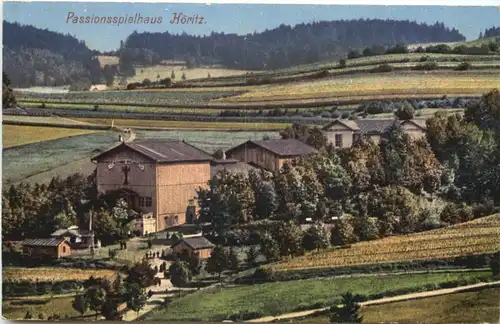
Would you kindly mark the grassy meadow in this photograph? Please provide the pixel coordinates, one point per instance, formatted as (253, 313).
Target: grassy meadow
(475, 237)
(468, 307)
(192, 125)
(16, 308)
(14, 135)
(283, 297)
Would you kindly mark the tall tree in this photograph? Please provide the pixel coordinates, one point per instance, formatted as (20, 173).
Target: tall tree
(136, 297)
(217, 262)
(8, 98)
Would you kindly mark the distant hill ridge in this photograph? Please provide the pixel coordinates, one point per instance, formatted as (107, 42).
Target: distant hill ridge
(285, 45)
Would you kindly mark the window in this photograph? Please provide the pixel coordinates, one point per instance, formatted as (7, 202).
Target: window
(338, 140)
(145, 201)
(64, 250)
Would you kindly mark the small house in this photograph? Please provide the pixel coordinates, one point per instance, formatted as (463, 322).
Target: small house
(271, 154)
(198, 246)
(53, 248)
(78, 238)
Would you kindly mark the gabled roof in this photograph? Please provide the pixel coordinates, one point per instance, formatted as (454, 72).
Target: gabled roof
(351, 124)
(282, 147)
(196, 243)
(44, 242)
(162, 151)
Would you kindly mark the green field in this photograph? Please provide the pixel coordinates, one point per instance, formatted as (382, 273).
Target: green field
(283, 297)
(185, 124)
(184, 97)
(14, 135)
(468, 307)
(16, 308)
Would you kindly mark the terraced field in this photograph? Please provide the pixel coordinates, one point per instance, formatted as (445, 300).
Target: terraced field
(475, 237)
(375, 85)
(13, 274)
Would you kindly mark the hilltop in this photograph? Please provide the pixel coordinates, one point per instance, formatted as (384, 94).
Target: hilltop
(285, 45)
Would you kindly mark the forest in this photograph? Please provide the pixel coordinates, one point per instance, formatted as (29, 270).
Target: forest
(39, 57)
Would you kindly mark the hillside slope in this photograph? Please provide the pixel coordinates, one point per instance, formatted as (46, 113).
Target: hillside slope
(474, 237)
(38, 57)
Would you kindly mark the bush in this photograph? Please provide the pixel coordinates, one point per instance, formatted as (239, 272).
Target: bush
(463, 66)
(426, 66)
(264, 274)
(382, 68)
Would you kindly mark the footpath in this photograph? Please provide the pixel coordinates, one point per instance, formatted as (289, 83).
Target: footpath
(384, 300)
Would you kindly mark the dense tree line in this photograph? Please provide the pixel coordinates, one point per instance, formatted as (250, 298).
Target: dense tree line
(490, 32)
(34, 210)
(285, 45)
(39, 57)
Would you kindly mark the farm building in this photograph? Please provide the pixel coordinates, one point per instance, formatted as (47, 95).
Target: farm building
(46, 248)
(343, 133)
(158, 177)
(199, 246)
(270, 154)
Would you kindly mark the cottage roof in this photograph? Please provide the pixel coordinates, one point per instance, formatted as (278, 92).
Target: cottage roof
(71, 232)
(162, 151)
(374, 126)
(196, 243)
(282, 147)
(43, 242)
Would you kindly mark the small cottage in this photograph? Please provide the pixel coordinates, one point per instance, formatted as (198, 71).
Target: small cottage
(198, 246)
(78, 238)
(53, 248)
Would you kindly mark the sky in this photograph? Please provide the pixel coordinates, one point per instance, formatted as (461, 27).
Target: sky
(228, 18)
